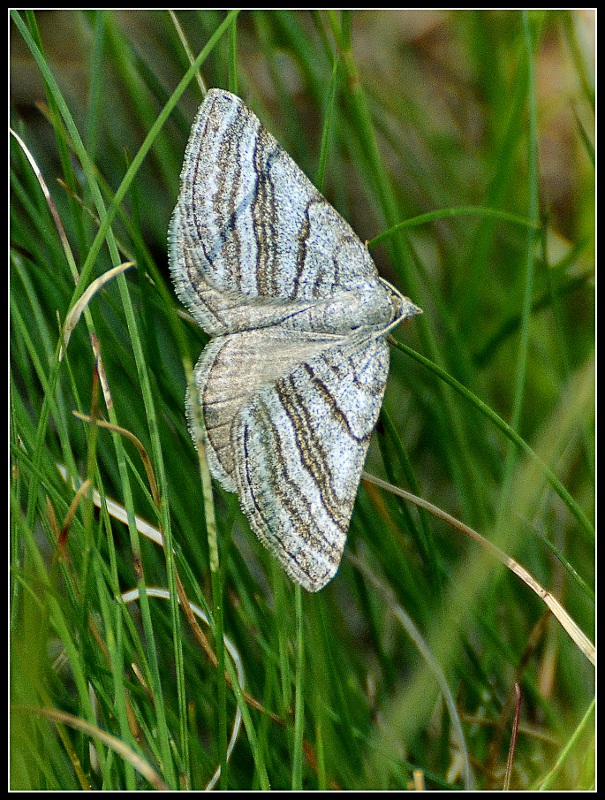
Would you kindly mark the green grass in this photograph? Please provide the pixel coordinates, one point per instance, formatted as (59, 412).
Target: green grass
(464, 155)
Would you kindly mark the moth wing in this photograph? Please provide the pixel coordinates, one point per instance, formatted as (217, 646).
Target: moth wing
(230, 371)
(250, 229)
(299, 447)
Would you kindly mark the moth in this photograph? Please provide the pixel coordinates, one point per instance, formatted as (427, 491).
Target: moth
(292, 380)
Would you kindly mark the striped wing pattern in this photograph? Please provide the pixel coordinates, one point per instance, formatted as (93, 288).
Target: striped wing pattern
(293, 378)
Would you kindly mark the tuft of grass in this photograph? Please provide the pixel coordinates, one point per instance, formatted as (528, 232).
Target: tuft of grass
(461, 146)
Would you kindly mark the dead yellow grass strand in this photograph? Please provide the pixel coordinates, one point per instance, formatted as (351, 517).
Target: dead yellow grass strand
(567, 623)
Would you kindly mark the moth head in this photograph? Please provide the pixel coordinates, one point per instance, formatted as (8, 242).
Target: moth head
(401, 307)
